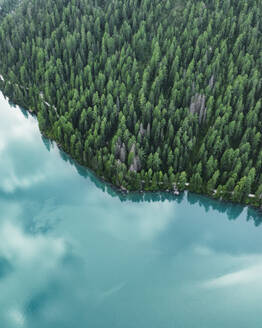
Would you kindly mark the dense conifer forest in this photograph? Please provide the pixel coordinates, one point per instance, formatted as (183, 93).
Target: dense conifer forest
(6, 6)
(150, 94)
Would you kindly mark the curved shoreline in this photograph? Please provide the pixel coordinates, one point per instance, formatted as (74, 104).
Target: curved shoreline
(125, 195)
(122, 190)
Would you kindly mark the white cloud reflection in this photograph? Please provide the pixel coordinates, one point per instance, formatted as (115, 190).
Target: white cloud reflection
(241, 277)
(12, 182)
(21, 248)
(142, 222)
(34, 260)
(239, 271)
(14, 125)
(15, 132)
(23, 160)
(16, 317)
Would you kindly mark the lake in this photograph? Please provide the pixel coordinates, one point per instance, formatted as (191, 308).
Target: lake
(75, 253)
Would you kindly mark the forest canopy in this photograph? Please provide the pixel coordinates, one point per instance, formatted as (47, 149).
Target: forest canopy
(150, 94)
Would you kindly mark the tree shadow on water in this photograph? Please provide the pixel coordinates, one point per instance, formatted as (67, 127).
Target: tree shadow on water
(233, 211)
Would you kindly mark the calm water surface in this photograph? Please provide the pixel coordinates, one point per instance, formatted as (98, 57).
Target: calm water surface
(73, 253)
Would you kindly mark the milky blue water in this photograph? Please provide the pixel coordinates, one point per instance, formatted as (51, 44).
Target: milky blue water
(74, 253)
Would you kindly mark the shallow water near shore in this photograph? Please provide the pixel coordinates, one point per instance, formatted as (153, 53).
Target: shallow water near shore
(75, 253)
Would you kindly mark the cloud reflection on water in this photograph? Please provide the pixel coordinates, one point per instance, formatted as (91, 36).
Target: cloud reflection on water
(15, 132)
(21, 248)
(247, 271)
(34, 260)
(137, 222)
(127, 253)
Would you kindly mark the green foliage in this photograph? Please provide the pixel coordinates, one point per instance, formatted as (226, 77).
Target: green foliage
(149, 94)
(6, 6)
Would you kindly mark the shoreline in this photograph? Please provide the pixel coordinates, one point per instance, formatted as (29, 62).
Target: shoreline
(141, 192)
(123, 190)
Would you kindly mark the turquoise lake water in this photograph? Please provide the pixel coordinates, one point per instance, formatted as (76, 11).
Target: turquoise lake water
(74, 253)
